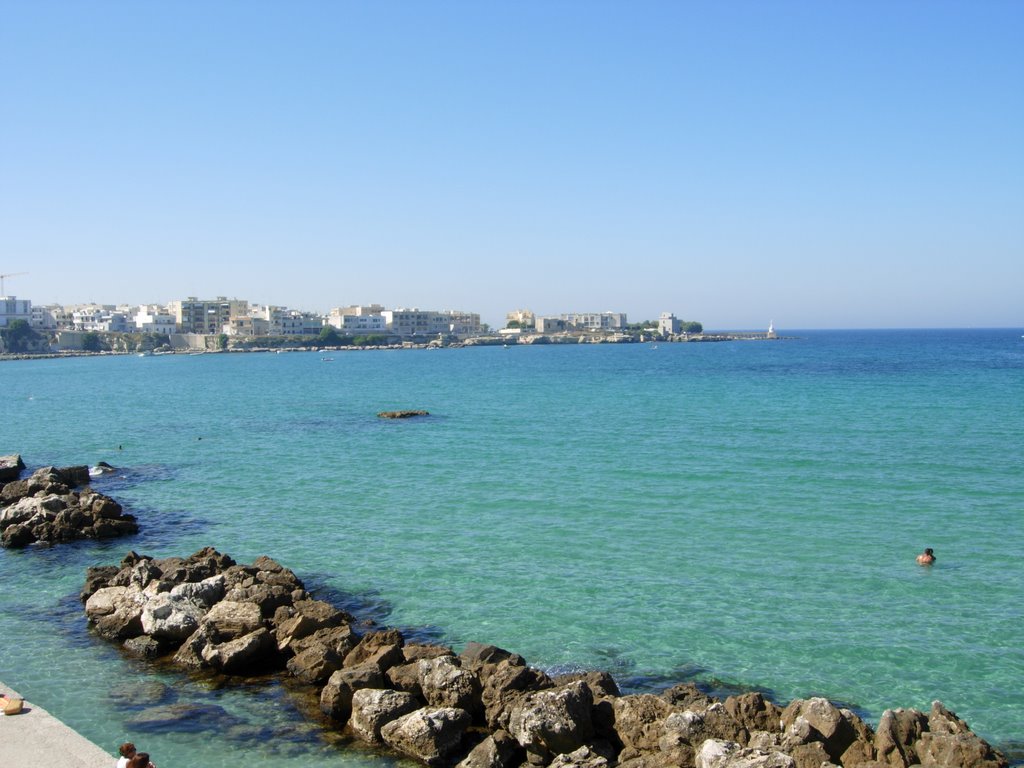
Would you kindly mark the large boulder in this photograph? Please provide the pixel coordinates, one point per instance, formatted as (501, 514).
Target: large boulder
(444, 683)
(230, 620)
(427, 734)
(897, 733)
(174, 617)
(383, 648)
(828, 725)
(638, 722)
(950, 742)
(717, 753)
(499, 750)
(336, 695)
(753, 711)
(548, 723)
(504, 684)
(10, 467)
(249, 652)
(372, 709)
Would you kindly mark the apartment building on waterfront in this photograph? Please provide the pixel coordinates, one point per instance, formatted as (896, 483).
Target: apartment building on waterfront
(12, 308)
(417, 322)
(206, 316)
(595, 321)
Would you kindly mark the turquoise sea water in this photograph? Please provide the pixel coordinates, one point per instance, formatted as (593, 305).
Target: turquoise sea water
(740, 514)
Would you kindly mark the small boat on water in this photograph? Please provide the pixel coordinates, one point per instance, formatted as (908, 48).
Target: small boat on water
(326, 359)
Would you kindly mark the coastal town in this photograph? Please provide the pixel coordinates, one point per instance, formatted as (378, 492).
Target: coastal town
(223, 324)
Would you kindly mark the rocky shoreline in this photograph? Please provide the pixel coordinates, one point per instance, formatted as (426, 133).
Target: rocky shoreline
(484, 707)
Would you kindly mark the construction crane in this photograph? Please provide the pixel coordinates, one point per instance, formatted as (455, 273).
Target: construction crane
(9, 274)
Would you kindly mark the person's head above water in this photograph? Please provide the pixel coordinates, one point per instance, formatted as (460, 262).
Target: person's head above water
(927, 557)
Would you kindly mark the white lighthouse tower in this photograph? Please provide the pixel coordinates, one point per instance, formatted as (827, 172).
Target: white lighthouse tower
(771, 330)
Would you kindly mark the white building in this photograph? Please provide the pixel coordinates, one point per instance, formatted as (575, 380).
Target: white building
(358, 319)
(152, 319)
(12, 308)
(595, 321)
(358, 323)
(101, 319)
(417, 322)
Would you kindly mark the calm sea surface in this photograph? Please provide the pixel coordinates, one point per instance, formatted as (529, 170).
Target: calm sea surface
(740, 514)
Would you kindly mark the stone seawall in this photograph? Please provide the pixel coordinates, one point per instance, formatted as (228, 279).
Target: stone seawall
(483, 707)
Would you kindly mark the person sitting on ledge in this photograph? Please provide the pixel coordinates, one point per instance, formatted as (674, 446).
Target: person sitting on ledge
(127, 751)
(926, 558)
(140, 760)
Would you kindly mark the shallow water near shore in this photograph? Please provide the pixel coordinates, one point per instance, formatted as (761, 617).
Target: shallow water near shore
(740, 514)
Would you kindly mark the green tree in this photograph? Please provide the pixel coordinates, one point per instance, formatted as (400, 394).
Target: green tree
(19, 336)
(222, 341)
(91, 342)
(329, 336)
(693, 327)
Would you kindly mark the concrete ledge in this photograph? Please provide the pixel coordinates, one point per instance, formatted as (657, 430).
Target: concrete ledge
(36, 739)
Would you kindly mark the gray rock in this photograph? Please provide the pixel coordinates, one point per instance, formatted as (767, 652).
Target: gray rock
(170, 616)
(427, 734)
(548, 723)
(445, 684)
(717, 753)
(584, 757)
(372, 709)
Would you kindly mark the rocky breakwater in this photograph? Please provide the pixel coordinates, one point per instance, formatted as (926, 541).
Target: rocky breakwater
(45, 507)
(484, 707)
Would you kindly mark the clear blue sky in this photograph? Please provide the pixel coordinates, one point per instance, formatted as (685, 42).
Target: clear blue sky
(819, 164)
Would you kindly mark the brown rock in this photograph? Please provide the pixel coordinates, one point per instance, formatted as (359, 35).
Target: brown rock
(638, 721)
(754, 711)
(897, 733)
(688, 696)
(382, 648)
(950, 742)
(336, 696)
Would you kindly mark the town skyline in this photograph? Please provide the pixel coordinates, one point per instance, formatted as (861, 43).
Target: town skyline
(823, 166)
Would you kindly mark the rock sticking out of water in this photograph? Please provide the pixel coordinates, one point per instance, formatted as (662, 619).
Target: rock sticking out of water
(45, 508)
(401, 414)
(485, 707)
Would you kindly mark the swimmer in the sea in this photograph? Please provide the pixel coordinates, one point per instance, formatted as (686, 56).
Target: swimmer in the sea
(926, 558)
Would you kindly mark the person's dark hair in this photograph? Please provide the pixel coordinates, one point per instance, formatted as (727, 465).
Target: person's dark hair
(929, 551)
(141, 760)
(126, 749)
